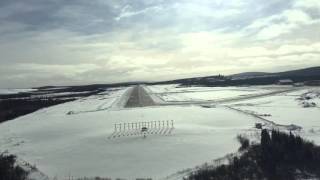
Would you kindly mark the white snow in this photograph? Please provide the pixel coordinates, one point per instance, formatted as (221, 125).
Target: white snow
(98, 102)
(15, 91)
(77, 144)
(287, 109)
(175, 93)
(48, 95)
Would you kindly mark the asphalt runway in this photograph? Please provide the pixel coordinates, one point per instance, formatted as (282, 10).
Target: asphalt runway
(139, 98)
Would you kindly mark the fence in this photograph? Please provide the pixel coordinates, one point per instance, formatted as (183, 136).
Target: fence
(142, 128)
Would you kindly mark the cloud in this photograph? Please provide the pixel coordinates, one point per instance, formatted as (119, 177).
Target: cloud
(313, 4)
(127, 12)
(279, 24)
(78, 42)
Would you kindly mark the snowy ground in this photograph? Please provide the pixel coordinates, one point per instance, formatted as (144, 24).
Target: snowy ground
(175, 93)
(72, 138)
(102, 101)
(289, 108)
(15, 91)
(77, 144)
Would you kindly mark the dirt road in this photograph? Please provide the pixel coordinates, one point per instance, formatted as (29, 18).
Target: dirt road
(139, 98)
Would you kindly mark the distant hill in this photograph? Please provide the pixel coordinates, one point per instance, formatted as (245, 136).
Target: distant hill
(251, 78)
(313, 71)
(245, 78)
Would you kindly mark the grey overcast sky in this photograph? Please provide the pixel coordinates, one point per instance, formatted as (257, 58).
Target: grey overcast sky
(64, 42)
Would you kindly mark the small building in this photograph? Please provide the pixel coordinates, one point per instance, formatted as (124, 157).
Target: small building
(285, 82)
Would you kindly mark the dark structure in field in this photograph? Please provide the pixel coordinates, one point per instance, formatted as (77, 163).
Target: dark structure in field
(142, 128)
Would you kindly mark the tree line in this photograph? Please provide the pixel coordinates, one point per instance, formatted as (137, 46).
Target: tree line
(279, 156)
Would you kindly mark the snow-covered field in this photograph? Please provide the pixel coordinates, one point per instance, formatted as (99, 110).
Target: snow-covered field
(47, 95)
(14, 91)
(175, 93)
(77, 144)
(289, 108)
(101, 101)
(72, 138)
